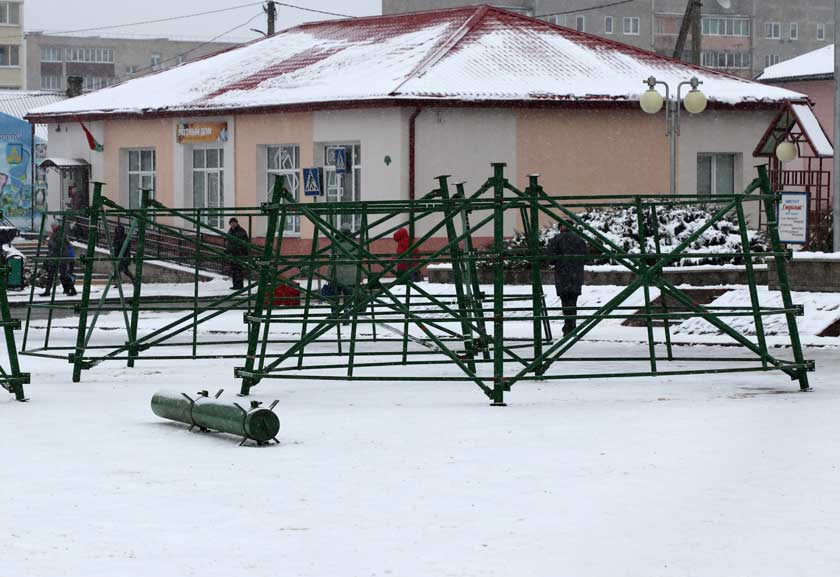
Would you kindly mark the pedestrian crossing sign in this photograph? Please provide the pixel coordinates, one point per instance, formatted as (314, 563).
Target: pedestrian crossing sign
(337, 158)
(312, 182)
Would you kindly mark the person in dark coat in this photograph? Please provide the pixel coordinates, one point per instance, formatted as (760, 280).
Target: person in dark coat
(119, 240)
(237, 247)
(60, 259)
(568, 272)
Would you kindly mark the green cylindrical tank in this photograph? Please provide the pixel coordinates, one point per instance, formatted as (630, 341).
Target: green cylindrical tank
(209, 414)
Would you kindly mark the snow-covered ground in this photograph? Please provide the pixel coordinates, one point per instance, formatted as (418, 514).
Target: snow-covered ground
(689, 476)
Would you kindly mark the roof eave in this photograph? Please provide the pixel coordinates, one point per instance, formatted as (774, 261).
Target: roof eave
(806, 78)
(594, 103)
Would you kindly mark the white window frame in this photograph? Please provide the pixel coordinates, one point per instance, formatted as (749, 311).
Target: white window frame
(773, 30)
(771, 60)
(145, 175)
(335, 184)
(631, 25)
(13, 55)
(559, 19)
(714, 156)
(50, 82)
(821, 32)
(609, 25)
(205, 172)
(287, 166)
(52, 54)
(155, 60)
(6, 12)
(793, 31)
(580, 23)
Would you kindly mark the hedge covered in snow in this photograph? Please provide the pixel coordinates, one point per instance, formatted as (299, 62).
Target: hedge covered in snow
(675, 224)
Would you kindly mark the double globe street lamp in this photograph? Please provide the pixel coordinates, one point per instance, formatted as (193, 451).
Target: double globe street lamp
(652, 101)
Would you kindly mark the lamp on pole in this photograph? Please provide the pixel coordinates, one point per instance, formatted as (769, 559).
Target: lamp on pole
(652, 101)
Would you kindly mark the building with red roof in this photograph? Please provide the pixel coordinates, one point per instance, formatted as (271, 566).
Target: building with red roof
(402, 99)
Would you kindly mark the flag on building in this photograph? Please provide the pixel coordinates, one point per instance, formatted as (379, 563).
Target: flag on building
(92, 143)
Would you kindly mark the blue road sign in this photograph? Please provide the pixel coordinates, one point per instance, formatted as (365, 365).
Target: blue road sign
(312, 182)
(338, 159)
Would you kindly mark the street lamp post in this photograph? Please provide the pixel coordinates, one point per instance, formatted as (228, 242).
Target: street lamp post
(652, 101)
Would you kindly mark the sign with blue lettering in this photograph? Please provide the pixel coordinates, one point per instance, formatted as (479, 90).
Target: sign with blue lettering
(312, 182)
(337, 157)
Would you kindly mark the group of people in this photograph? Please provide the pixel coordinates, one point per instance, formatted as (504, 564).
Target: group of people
(61, 260)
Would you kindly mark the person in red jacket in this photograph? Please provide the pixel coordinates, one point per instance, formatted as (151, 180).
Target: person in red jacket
(403, 242)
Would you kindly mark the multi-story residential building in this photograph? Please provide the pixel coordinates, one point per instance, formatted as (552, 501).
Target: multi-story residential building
(12, 57)
(103, 61)
(739, 36)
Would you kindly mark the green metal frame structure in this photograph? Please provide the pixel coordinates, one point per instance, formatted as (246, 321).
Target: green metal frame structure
(384, 322)
(11, 377)
(180, 337)
(336, 337)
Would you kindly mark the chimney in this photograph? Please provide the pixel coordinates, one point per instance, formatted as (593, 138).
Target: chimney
(74, 86)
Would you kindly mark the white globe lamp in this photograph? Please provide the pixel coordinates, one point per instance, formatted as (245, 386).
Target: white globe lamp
(695, 101)
(787, 151)
(651, 101)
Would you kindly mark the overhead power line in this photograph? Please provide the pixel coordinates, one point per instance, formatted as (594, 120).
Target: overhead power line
(589, 9)
(296, 7)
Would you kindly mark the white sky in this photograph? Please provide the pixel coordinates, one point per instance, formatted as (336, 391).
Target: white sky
(65, 15)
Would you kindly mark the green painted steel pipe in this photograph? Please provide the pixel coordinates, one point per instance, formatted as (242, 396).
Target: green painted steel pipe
(258, 424)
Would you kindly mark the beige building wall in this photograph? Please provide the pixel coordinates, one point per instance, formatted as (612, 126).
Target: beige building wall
(12, 75)
(124, 135)
(721, 132)
(462, 143)
(593, 152)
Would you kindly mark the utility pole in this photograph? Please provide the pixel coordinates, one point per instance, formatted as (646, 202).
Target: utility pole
(691, 22)
(270, 9)
(836, 178)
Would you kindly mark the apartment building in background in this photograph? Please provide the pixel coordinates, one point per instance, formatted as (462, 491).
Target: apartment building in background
(741, 37)
(12, 57)
(102, 61)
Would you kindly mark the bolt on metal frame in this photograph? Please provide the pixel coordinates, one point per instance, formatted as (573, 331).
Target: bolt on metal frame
(467, 330)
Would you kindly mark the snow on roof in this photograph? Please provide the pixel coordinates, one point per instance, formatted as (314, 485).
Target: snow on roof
(813, 130)
(476, 53)
(18, 103)
(819, 63)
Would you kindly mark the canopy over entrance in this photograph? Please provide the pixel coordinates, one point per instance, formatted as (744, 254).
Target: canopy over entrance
(797, 123)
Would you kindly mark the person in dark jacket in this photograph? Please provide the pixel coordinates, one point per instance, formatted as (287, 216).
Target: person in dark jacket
(60, 259)
(568, 272)
(119, 240)
(237, 248)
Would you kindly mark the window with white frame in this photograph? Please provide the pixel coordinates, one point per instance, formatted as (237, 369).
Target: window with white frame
(820, 31)
(771, 59)
(89, 55)
(90, 83)
(558, 19)
(347, 186)
(580, 23)
(9, 55)
(141, 175)
(773, 30)
(609, 25)
(739, 60)
(284, 163)
(631, 26)
(208, 172)
(51, 54)
(131, 70)
(50, 82)
(10, 13)
(155, 60)
(793, 32)
(716, 174)
(721, 26)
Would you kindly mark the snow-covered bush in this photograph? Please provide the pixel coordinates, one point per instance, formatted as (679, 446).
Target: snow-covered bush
(675, 225)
